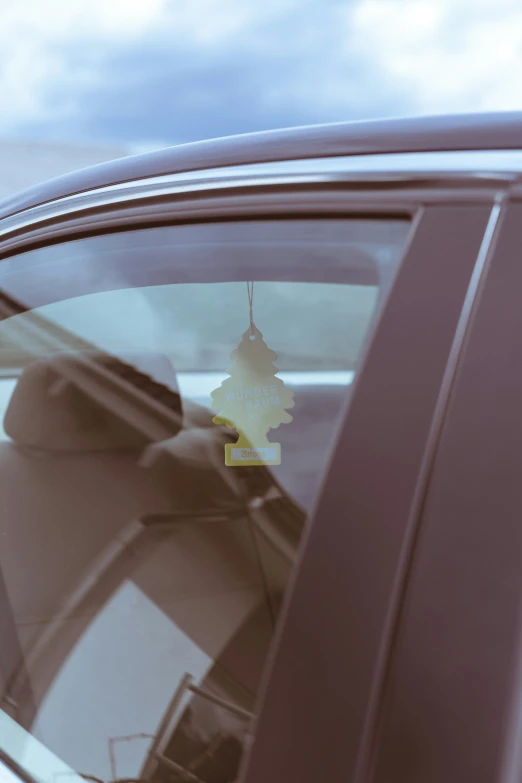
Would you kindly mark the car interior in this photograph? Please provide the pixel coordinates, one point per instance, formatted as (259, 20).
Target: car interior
(157, 573)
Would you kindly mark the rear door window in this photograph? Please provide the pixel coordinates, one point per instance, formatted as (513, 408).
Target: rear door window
(144, 576)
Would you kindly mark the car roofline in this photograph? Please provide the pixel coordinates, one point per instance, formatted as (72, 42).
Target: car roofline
(441, 133)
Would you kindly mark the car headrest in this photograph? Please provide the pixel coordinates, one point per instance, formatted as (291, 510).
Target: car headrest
(92, 401)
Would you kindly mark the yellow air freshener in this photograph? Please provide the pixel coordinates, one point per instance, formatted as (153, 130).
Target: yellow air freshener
(252, 401)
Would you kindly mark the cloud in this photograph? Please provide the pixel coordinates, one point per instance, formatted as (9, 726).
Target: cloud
(184, 95)
(194, 72)
(450, 55)
(165, 71)
(35, 38)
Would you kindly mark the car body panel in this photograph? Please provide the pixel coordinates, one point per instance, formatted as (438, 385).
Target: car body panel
(493, 131)
(453, 703)
(356, 625)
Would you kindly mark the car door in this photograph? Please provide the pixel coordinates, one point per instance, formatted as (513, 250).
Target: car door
(143, 577)
(452, 707)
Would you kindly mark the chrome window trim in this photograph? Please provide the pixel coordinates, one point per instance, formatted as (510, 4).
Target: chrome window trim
(212, 180)
(139, 189)
(457, 162)
(401, 198)
(223, 206)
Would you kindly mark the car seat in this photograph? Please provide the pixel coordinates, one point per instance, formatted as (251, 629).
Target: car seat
(70, 478)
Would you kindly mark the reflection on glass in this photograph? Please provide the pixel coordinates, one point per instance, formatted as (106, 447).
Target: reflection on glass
(142, 579)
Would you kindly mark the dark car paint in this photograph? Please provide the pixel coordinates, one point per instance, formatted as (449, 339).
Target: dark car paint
(494, 131)
(376, 705)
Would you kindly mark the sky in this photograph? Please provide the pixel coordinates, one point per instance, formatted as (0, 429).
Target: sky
(149, 73)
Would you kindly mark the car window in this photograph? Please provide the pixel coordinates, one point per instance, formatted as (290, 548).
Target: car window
(144, 575)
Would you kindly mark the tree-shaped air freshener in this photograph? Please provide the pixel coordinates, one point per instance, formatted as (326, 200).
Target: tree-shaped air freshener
(252, 401)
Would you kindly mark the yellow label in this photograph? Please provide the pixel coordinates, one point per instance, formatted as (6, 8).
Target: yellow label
(265, 455)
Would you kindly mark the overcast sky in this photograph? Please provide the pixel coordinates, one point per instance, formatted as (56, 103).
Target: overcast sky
(155, 72)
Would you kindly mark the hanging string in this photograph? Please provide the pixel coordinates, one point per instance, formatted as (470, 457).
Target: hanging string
(250, 292)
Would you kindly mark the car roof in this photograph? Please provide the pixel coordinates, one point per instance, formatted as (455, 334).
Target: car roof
(458, 132)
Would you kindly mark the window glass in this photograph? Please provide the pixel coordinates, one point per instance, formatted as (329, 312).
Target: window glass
(142, 576)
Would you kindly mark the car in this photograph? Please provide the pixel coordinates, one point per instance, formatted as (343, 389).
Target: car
(260, 464)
